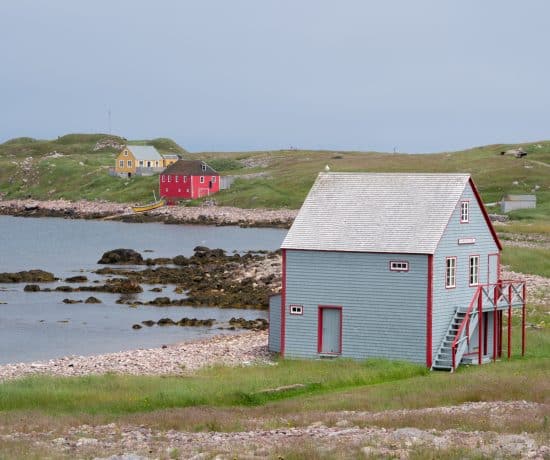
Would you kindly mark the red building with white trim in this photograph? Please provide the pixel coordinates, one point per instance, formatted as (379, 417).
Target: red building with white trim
(187, 180)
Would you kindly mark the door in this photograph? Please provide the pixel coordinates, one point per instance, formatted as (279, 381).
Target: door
(330, 340)
(493, 267)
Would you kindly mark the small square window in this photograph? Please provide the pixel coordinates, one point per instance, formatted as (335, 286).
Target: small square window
(399, 266)
(296, 309)
(125, 153)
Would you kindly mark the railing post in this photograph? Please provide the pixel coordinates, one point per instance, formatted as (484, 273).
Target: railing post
(453, 353)
(524, 295)
(510, 324)
(479, 325)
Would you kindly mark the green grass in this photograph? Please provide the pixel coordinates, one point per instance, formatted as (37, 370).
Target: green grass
(218, 386)
(527, 260)
(287, 174)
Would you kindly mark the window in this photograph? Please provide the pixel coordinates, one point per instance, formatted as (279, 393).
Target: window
(203, 167)
(169, 178)
(162, 178)
(121, 163)
(399, 266)
(125, 153)
(202, 180)
(474, 270)
(141, 162)
(184, 178)
(464, 212)
(450, 272)
(213, 179)
(129, 163)
(296, 309)
(177, 178)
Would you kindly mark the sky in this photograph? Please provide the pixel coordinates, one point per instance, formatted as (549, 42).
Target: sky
(219, 75)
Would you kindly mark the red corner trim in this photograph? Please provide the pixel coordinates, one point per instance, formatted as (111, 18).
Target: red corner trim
(283, 303)
(429, 308)
(485, 215)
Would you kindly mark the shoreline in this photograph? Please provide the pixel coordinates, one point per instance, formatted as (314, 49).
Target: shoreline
(196, 215)
(180, 358)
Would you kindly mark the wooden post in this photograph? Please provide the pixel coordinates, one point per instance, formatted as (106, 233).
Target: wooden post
(509, 331)
(524, 294)
(495, 334)
(479, 325)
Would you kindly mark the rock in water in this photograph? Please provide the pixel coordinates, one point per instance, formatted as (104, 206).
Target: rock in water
(30, 276)
(92, 300)
(122, 257)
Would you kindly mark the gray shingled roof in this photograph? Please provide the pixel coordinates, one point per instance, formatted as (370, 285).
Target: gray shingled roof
(376, 212)
(144, 152)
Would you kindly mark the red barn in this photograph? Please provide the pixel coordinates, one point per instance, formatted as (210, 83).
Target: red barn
(187, 180)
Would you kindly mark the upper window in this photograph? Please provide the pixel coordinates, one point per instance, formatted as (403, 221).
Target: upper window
(399, 266)
(464, 211)
(202, 180)
(450, 272)
(163, 178)
(129, 163)
(203, 167)
(474, 270)
(169, 178)
(125, 153)
(213, 179)
(177, 178)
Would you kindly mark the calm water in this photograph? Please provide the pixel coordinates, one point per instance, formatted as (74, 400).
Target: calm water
(39, 325)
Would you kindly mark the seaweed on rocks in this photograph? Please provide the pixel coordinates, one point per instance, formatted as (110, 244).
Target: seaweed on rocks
(28, 276)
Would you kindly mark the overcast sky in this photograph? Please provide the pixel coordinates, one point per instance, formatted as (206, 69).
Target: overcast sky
(262, 74)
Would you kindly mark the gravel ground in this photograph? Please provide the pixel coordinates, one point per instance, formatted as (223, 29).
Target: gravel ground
(232, 350)
(218, 215)
(122, 441)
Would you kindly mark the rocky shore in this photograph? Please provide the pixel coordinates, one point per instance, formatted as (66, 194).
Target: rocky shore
(204, 215)
(182, 358)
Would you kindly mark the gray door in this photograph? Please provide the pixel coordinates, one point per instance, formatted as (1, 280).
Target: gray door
(330, 342)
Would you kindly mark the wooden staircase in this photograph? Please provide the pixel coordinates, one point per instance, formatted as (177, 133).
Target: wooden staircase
(504, 295)
(444, 358)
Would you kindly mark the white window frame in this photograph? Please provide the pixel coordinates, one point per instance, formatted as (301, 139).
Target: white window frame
(450, 272)
(163, 178)
(201, 180)
(184, 179)
(296, 309)
(121, 163)
(213, 179)
(169, 178)
(399, 265)
(203, 167)
(141, 162)
(129, 163)
(125, 153)
(177, 178)
(464, 211)
(473, 270)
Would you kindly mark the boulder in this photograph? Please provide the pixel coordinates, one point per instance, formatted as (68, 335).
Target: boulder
(30, 276)
(32, 288)
(76, 279)
(71, 301)
(92, 299)
(121, 257)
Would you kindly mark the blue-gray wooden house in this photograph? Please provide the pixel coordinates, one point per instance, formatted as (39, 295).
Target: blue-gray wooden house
(398, 266)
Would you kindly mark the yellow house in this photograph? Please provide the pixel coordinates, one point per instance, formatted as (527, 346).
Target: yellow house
(141, 160)
(170, 159)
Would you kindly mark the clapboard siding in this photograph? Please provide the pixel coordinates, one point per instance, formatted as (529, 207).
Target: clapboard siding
(383, 312)
(274, 341)
(446, 301)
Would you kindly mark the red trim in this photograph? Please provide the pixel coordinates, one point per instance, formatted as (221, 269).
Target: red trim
(524, 292)
(478, 270)
(320, 328)
(445, 278)
(495, 345)
(480, 325)
(465, 221)
(429, 311)
(283, 304)
(509, 332)
(398, 262)
(485, 335)
(485, 215)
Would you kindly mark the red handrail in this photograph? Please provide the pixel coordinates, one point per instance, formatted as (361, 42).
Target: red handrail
(465, 320)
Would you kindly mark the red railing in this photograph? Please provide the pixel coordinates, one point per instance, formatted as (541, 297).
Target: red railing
(503, 291)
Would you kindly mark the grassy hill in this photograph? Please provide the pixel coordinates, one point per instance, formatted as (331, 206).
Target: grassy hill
(269, 179)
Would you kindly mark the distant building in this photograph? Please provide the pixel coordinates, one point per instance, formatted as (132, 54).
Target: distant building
(170, 159)
(398, 266)
(140, 160)
(187, 180)
(513, 202)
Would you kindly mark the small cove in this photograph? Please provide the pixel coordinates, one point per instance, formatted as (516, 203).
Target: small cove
(38, 326)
